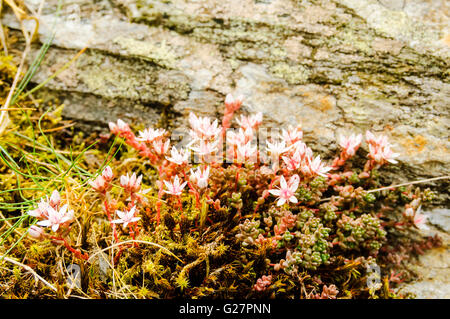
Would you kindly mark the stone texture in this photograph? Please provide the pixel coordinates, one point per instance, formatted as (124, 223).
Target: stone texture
(336, 66)
(433, 268)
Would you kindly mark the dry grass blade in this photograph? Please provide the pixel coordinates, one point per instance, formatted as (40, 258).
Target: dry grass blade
(135, 241)
(21, 16)
(30, 270)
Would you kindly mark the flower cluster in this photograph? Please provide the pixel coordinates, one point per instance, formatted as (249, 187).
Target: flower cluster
(151, 143)
(58, 218)
(380, 149)
(262, 283)
(327, 292)
(51, 214)
(287, 210)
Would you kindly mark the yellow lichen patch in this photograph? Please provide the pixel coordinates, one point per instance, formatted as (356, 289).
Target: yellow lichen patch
(415, 145)
(326, 103)
(446, 39)
(319, 101)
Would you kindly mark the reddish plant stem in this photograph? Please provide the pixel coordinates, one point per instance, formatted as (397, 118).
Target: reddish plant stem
(74, 251)
(194, 191)
(158, 205)
(180, 206)
(113, 226)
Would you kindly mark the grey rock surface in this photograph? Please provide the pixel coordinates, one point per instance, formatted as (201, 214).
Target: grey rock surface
(433, 268)
(336, 66)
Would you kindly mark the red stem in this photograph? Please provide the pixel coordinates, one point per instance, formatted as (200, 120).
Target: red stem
(113, 226)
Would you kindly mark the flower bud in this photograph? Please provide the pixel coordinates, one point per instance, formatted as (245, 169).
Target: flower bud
(107, 173)
(55, 199)
(35, 232)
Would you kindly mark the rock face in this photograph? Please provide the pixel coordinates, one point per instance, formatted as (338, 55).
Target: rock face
(336, 66)
(433, 268)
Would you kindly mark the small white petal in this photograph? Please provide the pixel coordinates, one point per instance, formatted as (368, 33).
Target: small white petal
(275, 192)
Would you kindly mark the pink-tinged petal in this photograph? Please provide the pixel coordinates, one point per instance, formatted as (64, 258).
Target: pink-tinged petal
(112, 126)
(120, 213)
(55, 227)
(34, 213)
(35, 232)
(44, 223)
(168, 184)
(281, 201)
(63, 210)
(283, 183)
(275, 192)
(55, 198)
(293, 182)
(124, 180)
(117, 221)
(293, 199)
(107, 173)
(393, 161)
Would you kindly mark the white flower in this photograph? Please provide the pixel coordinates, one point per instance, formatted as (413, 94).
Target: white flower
(200, 177)
(131, 184)
(107, 174)
(286, 191)
(35, 232)
(292, 135)
(315, 167)
(245, 152)
(350, 144)
(293, 162)
(229, 99)
(150, 135)
(120, 127)
(382, 154)
(380, 140)
(41, 210)
(126, 217)
(160, 147)
(233, 104)
(174, 188)
(205, 148)
(251, 121)
(178, 157)
(242, 137)
(56, 217)
(277, 148)
(99, 184)
(202, 128)
(420, 221)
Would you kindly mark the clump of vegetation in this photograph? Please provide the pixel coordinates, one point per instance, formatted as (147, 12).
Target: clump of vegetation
(202, 220)
(225, 214)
